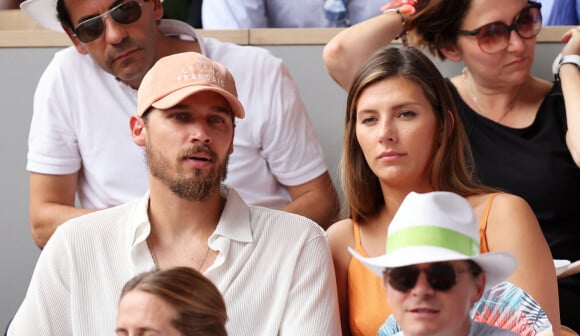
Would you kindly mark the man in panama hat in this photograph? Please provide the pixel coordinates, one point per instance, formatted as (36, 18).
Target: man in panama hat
(432, 268)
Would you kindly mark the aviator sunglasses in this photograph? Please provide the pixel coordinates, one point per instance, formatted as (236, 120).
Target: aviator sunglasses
(124, 13)
(441, 276)
(494, 37)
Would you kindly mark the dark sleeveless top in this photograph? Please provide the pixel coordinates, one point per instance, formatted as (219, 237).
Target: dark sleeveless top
(533, 163)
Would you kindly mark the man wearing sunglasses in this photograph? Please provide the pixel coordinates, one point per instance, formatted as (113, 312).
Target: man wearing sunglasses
(432, 269)
(79, 145)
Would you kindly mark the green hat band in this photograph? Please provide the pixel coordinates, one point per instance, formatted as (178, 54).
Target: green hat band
(433, 236)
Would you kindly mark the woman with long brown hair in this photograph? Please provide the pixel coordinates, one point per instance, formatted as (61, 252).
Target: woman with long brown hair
(403, 134)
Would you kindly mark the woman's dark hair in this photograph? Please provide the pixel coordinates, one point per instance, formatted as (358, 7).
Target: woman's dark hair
(435, 24)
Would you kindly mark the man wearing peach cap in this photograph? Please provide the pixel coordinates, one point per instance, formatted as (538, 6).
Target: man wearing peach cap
(273, 268)
(78, 144)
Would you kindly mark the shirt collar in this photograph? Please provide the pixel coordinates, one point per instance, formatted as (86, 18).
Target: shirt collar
(138, 231)
(234, 224)
(184, 31)
(234, 221)
(171, 27)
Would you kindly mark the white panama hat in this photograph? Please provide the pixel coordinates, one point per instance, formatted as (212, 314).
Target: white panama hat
(433, 227)
(43, 12)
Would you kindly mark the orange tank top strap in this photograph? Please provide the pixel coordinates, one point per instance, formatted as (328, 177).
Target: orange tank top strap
(483, 225)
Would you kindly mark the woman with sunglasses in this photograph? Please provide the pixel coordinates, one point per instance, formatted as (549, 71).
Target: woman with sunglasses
(524, 131)
(403, 134)
(432, 282)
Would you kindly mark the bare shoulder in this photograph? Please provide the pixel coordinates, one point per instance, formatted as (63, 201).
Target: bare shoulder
(341, 227)
(510, 206)
(507, 211)
(340, 236)
(511, 216)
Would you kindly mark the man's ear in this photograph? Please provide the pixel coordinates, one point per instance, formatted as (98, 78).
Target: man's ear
(451, 52)
(80, 47)
(138, 132)
(158, 9)
(479, 287)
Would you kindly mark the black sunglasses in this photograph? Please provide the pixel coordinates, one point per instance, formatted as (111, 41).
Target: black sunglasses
(441, 276)
(494, 37)
(124, 13)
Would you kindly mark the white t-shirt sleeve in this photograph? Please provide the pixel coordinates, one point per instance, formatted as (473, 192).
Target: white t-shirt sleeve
(290, 144)
(52, 141)
(234, 14)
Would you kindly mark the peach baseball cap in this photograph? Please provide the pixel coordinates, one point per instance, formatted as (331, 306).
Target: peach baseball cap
(176, 77)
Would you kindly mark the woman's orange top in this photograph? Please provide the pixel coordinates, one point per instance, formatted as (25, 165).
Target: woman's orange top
(483, 226)
(367, 297)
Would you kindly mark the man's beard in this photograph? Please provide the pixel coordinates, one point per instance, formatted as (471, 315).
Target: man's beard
(195, 188)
